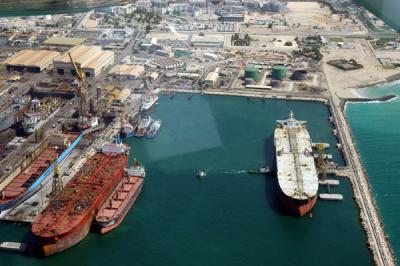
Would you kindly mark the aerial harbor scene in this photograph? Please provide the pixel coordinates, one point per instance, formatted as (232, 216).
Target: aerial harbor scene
(199, 132)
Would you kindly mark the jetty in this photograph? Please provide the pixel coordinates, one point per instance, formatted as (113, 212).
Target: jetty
(377, 240)
(331, 197)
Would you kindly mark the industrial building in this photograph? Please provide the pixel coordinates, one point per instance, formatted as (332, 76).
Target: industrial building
(228, 17)
(167, 63)
(121, 97)
(211, 79)
(92, 60)
(127, 71)
(64, 41)
(31, 60)
(207, 41)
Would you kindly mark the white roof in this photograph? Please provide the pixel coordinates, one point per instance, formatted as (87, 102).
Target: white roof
(297, 175)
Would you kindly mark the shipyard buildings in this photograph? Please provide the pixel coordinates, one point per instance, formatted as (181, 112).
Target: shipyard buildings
(92, 60)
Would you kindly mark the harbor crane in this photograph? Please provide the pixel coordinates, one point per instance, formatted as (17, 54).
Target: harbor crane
(82, 89)
(85, 121)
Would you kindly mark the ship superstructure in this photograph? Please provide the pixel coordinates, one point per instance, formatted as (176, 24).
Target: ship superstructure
(11, 115)
(296, 172)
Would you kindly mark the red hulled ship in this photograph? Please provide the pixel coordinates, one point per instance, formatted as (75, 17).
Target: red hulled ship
(67, 219)
(114, 210)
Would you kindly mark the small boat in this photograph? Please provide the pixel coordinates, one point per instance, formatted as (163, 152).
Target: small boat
(201, 173)
(260, 171)
(153, 130)
(143, 127)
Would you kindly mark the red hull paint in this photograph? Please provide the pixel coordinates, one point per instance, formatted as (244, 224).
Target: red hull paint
(126, 206)
(61, 225)
(296, 207)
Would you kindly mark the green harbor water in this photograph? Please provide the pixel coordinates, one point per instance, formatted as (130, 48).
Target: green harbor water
(387, 10)
(376, 130)
(229, 217)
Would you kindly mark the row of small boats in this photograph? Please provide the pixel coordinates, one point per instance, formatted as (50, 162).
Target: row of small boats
(147, 127)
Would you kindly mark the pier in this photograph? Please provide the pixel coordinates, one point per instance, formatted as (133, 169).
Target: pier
(13, 246)
(369, 214)
(331, 197)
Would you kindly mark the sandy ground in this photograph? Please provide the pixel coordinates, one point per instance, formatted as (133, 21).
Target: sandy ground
(344, 82)
(312, 14)
(91, 23)
(279, 43)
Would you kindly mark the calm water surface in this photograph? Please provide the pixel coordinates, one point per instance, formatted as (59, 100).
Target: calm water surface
(229, 217)
(376, 129)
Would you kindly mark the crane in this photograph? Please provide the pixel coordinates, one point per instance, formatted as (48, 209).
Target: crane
(82, 91)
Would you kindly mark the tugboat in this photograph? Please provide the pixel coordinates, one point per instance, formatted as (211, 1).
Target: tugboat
(260, 171)
(201, 173)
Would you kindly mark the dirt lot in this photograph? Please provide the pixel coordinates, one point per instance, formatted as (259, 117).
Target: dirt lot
(342, 82)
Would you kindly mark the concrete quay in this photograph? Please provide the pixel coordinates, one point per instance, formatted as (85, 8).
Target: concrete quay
(377, 241)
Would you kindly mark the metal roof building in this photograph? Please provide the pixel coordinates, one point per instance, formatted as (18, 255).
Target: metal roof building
(31, 60)
(90, 59)
(127, 71)
(211, 78)
(207, 41)
(64, 41)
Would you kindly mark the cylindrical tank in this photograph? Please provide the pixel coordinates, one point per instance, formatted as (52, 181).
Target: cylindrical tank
(279, 72)
(252, 73)
(300, 74)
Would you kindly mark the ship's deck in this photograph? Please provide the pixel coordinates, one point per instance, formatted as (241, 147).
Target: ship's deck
(297, 175)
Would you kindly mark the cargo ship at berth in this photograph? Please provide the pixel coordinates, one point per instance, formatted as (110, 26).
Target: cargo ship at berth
(67, 219)
(114, 210)
(297, 177)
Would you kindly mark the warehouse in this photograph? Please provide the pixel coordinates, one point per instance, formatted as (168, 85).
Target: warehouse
(31, 60)
(208, 41)
(127, 71)
(64, 41)
(167, 63)
(121, 98)
(92, 60)
(211, 79)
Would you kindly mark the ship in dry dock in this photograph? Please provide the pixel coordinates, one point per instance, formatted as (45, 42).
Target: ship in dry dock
(32, 177)
(297, 177)
(69, 215)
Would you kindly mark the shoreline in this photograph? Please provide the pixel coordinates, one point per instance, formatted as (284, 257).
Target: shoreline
(370, 218)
